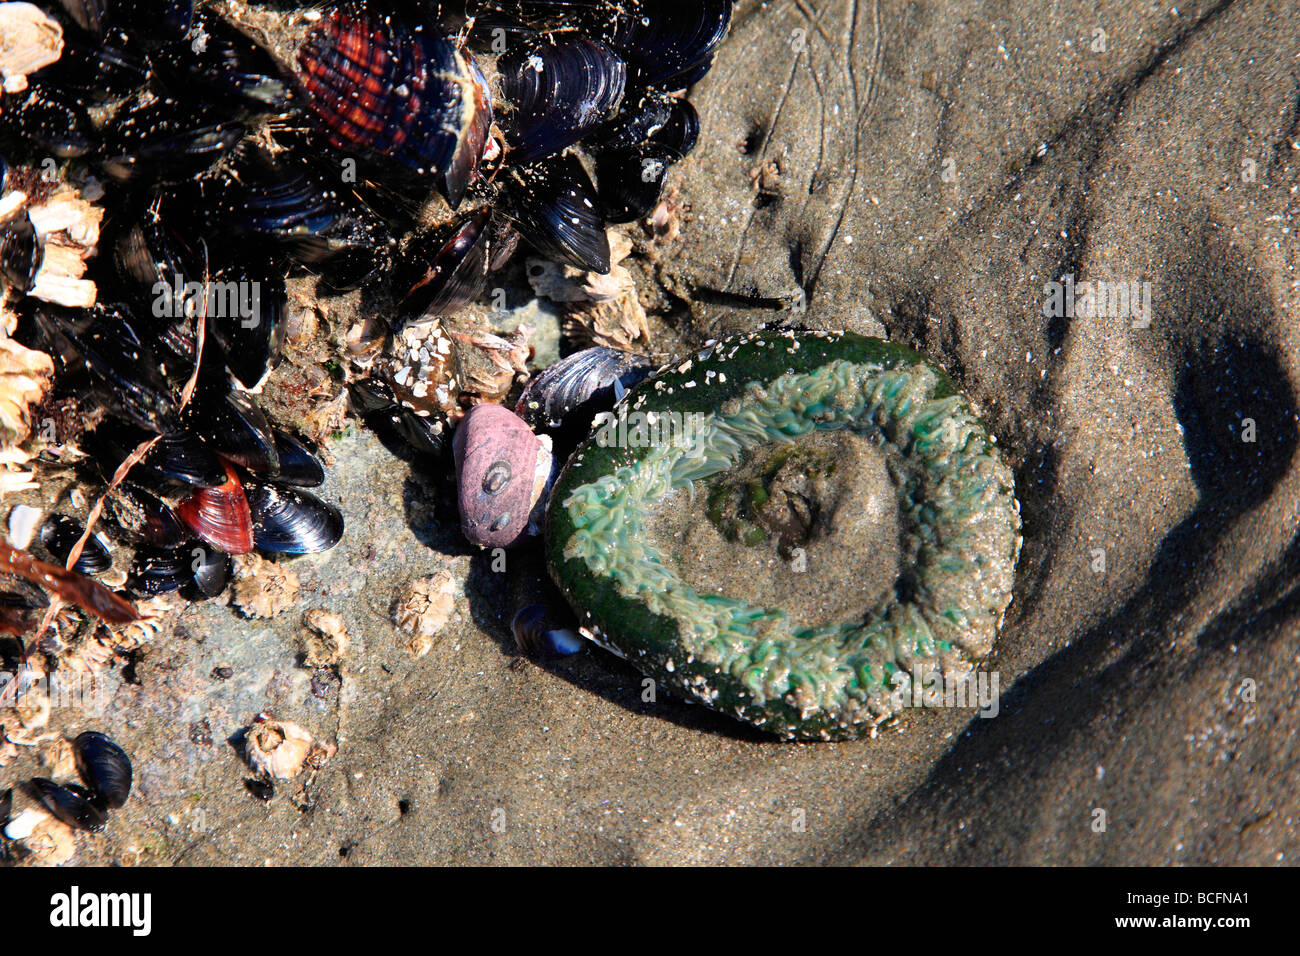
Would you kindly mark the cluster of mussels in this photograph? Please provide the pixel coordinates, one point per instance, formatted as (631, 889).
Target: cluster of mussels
(408, 151)
(104, 769)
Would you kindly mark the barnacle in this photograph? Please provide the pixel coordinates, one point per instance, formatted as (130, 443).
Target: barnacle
(326, 643)
(423, 608)
(280, 748)
(599, 310)
(263, 588)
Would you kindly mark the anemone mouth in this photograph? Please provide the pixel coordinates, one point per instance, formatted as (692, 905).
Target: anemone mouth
(812, 526)
(958, 531)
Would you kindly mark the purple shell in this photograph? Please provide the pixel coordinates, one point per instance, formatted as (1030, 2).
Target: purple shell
(502, 470)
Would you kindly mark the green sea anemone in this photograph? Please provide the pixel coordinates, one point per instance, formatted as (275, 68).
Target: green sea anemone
(813, 518)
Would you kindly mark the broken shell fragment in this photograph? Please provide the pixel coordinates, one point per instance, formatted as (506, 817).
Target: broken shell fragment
(29, 40)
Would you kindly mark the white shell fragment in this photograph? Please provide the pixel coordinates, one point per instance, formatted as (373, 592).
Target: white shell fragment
(29, 40)
(23, 520)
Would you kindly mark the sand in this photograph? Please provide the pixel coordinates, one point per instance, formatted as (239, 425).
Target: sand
(921, 171)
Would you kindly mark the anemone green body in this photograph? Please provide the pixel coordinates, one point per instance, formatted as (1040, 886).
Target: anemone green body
(839, 680)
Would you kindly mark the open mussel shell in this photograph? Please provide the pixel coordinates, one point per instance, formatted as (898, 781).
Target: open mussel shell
(298, 462)
(235, 427)
(291, 521)
(399, 427)
(72, 804)
(166, 141)
(123, 371)
(386, 93)
(570, 393)
(220, 516)
(560, 87)
(104, 767)
(60, 533)
(439, 273)
(554, 205)
(230, 70)
(177, 460)
(245, 317)
(141, 516)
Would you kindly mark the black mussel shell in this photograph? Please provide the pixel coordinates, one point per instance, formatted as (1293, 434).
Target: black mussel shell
(439, 273)
(298, 462)
(245, 317)
(570, 393)
(665, 42)
(123, 370)
(179, 459)
(94, 16)
(6, 807)
(19, 599)
(235, 427)
(560, 87)
(151, 257)
(59, 533)
(159, 570)
(228, 69)
(155, 22)
(142, 516)
(74, 805)
(21, 253)
(682, 131)
(51, 119)
(211, 570)
(400, 428)
(688, 78)
(540, 633)
(300, 213)
(631, 181)
(165, 141)
(386, 93)
(644, 113)
(195, 569)
(104, 766)
(554, 205)
(290, 521)
(97, 71)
